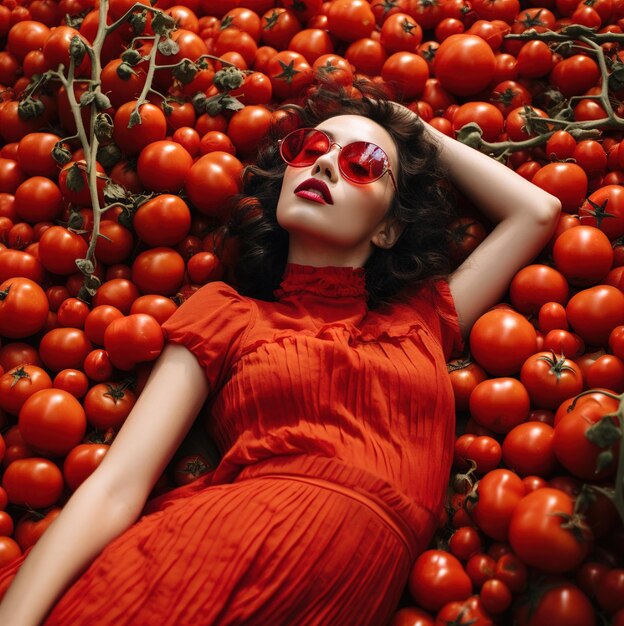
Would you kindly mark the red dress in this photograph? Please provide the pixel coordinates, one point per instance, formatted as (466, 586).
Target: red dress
(337, 427)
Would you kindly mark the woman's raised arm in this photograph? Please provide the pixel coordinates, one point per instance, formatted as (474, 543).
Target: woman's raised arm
(525, 218)
(111, 499)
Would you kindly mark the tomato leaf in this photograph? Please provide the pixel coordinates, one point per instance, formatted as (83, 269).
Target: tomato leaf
(75, 180)
(168, 47)
(77, 49)
(228, 78)
(604, 433)
(130, 56)
(185, 71)
(114, 192)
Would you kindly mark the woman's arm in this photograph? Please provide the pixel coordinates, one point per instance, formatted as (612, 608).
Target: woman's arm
(111, 499)
(525, 217)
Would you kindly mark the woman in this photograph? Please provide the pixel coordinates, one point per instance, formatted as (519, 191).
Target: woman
(329, 401)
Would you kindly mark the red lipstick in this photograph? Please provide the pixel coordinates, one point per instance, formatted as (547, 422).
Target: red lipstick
(315, 190)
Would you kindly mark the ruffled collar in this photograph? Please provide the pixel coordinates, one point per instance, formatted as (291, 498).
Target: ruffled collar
(329, 282)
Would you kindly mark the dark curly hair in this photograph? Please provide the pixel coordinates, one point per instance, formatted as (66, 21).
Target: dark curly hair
(422, 204)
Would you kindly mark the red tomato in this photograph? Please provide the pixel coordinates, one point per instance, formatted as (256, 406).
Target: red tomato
(606, 371)
(466, 234)
(604, 209)
(248, 127)
(33, 482)
(191, 467)
(411, 616)
(610, 591)
(30, 527)
(38, 199)
(566, 181)
(350, 19)
(564, 343)
(501, 340)
(212, 183)
(158, 271)
(115, 243)
(559, 602)
(159, 307)
(52, 421)
(23, 308)
(72, 313)
(527, 449)
(593, 313)
(552, 316)
(163, 220)
(437, 578)
(133, 339)
(499, 404)
(19, 383)
(495, 596)
(534, 286)
(575, 75)
(486, 115)
(464, 64)
(108, 404)
(583, 255)
(400, 32)
(117, 292)
(97, 365)
(63, 348)
(465, 542)
(543, 533)
(59, 248)
(407, 73)
(500, 491)
(9, 551)
(550, 380)
(164, 166)
(81, 462)
(72, 381)
(465, 375)
(97, 321)
(577, 452)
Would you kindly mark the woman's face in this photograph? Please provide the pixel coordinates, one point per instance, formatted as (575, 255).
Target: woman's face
(341, 226)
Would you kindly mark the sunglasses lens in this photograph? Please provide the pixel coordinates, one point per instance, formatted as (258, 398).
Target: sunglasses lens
(302, 147)
(363, 162)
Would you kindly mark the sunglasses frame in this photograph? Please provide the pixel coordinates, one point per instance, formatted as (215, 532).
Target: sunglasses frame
(332, 143)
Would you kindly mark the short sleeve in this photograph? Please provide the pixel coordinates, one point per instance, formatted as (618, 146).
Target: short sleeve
(211, 324)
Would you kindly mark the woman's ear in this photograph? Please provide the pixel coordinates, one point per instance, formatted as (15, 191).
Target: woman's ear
(388, 232)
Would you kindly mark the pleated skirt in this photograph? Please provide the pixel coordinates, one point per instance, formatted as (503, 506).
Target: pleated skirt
(266, 551)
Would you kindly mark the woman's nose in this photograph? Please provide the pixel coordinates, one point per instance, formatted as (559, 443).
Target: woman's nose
(327, 164)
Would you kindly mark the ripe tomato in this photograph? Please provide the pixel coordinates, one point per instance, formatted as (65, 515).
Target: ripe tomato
(133, 339)
(23, 308)
(117, 292)
(72, 381)
(543, 533)
(350, 19)
(566, 181)
(550, 380)
(465, 542)
(534, 286)
(59, 248)
(52, 422)
(9, 551)
(572, 446)
(495, 596)
(81, 462)
(499, 492)
(606, 371)
(465, 375)
(97, 365)
(438, 578)
(501, 340)
(158, 271)
(575, 75)
(33, 482)
(162, 221)
(583, 254)
(527, 449)
(593, 313)
(290, 73)
(191, 467)
(411, 616)
(72, 313)
(400, 32)
(30, 527)
(486, 115)
(213, 181)
(248, 127)
(63, 348)
(34, 154)
(163, 166)
(19, 383)
(407, 73)
(559, 602)
(604, 209)
(464, 64)
(499, 404)
(108, 404)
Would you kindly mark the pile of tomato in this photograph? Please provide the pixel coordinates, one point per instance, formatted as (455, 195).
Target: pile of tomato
(530, 535)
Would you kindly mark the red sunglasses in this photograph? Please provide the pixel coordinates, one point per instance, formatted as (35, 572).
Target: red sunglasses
(360, 162)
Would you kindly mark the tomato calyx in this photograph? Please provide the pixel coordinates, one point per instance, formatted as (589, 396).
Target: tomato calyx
(105, 437)
(557, 364)
(117, 392)
(18, 375)
(4, 294)
(604, 434)
(598, 211)
(530, 21)
(575, 523)
(465, 482)
(458, 364)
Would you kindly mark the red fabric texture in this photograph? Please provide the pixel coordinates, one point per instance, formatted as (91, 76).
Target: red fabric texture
(312, 387)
